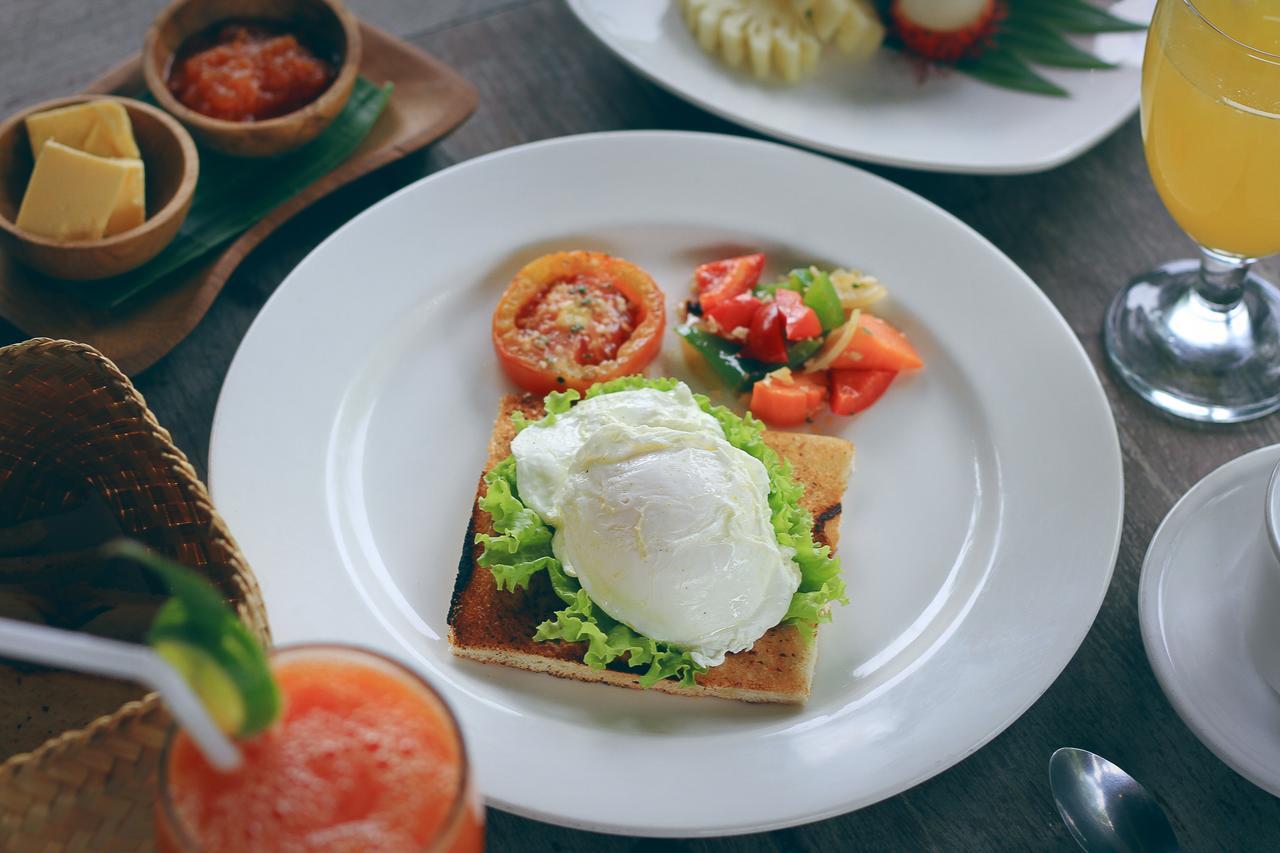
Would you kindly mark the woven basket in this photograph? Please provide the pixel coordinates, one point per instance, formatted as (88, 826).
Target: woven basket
(71, 427)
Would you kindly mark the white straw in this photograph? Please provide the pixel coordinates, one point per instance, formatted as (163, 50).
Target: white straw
(132, 662)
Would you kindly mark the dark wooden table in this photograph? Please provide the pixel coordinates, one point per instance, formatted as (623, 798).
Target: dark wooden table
(1079, 231)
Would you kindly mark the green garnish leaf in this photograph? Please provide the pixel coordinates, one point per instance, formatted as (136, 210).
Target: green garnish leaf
(1034, 32)
(1046, 46)
(233, 193)
(522, 548)
(524, 543)
(1073, 16)
(559, 402)
(1006, 69)
(203, 639)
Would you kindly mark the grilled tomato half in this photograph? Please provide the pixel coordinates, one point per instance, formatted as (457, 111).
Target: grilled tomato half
(572, 319)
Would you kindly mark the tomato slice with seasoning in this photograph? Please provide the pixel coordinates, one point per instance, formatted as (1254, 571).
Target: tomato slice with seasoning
(572, 319)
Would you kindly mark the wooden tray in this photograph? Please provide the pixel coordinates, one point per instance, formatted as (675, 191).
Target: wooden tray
(429, 100)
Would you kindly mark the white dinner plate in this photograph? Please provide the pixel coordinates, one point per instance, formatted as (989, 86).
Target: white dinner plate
(1198, 581)
(980, 528)
(882, 112)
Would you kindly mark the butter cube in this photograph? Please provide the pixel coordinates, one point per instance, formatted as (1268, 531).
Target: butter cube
(72, 195)
(113, 134)
(96, 127)
(131, 205)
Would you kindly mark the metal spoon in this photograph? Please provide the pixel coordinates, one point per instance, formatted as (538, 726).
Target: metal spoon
(1105, 809)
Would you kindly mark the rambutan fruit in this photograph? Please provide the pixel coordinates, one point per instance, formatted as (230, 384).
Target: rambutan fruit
(946, 30)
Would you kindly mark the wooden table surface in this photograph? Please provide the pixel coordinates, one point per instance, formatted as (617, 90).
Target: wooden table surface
(1078, 231)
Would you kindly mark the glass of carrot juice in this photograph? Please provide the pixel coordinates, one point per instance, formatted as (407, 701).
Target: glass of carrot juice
(366, 756)
(1201, 338)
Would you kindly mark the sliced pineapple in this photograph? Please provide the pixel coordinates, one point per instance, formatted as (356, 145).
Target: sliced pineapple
(853, 26)
(766, 37)
(861, 33)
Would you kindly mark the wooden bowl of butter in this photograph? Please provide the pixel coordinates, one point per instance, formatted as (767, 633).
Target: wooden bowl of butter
(93, 186)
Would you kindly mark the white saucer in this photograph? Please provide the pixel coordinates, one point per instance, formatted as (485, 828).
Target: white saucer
(1196, 582)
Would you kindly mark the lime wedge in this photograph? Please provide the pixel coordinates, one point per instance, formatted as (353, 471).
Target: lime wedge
(201, 637)
(216, 689)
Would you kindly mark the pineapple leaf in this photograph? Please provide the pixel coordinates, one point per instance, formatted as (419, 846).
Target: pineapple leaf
(1035, 32)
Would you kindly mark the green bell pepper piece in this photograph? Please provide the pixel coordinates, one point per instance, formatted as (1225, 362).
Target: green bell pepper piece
(735, 371)
(821, 296)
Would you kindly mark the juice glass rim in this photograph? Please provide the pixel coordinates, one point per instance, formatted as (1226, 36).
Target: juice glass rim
(460, 796)
(1195, 10)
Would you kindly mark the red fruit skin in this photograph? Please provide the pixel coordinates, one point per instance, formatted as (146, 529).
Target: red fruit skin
(767, 338)
(953, 45)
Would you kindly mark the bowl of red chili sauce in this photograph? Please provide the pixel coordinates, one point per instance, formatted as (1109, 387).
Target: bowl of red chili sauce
(253, 78)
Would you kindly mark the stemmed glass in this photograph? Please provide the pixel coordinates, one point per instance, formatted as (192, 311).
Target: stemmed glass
(1201, 339)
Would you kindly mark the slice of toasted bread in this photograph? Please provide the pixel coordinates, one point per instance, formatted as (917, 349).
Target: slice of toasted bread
(494, 626)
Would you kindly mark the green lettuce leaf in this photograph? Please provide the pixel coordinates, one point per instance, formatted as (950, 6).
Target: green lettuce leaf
(522, 548)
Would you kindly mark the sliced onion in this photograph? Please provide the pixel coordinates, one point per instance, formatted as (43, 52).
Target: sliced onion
(836, 343)
(857, 290)
(782, 374)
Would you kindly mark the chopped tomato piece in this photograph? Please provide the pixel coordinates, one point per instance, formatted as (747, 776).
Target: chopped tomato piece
(815, 386)
(855, 390)
(780, 404)
(767, 337)
(878, 346)
(735, 313)
(722, 280)
(802, 321)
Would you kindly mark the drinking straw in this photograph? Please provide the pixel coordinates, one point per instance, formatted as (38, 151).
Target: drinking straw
(129, 661)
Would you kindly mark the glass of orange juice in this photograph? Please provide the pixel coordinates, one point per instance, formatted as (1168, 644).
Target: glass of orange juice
(366, 756)
(1201, 338)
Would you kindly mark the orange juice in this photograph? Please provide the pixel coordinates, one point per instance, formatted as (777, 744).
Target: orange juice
(364, 757)
(1211, 120)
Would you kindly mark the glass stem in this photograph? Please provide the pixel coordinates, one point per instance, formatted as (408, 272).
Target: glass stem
(1222, 278)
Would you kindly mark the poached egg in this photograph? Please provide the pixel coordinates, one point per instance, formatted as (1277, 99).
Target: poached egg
(664, 523)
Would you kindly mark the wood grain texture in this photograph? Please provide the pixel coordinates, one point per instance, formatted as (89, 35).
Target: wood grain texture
(1079, 231)
(429, 100)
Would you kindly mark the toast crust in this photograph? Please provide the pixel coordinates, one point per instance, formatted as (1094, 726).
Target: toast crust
(493, 626)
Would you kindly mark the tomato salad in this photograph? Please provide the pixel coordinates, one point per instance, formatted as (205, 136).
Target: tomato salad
(572, 319)
(797, 343)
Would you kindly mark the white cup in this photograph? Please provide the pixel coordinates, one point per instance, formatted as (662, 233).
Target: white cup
(1263, 625)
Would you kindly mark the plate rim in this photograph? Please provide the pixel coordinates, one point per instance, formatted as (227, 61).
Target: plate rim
(1028, 166)
(1150, 621)
(943, 761)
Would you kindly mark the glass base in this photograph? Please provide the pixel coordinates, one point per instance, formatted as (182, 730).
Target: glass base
(1190, 357)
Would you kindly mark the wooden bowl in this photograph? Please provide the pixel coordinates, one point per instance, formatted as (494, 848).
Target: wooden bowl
(325, 23)
(172, 166)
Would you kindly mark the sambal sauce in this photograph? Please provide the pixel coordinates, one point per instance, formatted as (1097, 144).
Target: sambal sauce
(247, 71)
(584, 319)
